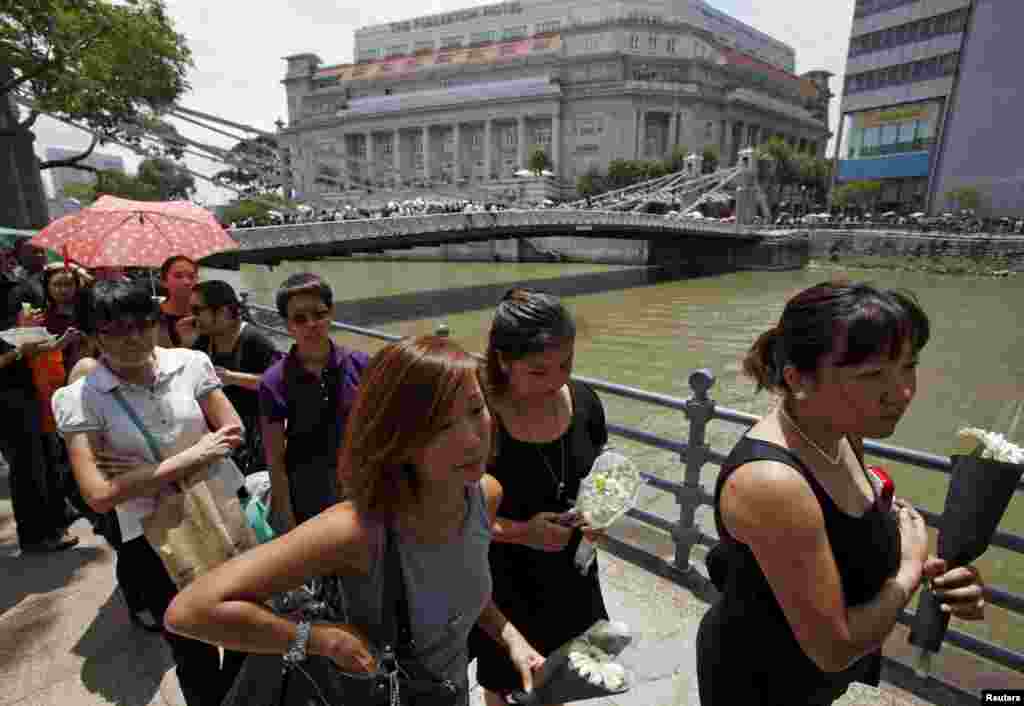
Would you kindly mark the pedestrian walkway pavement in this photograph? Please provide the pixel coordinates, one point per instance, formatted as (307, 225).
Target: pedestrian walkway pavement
(66, 638)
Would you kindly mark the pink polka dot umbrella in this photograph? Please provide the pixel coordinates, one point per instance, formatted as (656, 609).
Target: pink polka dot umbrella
(116, 232)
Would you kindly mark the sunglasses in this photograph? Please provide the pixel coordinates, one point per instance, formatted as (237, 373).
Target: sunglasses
(302, 318)
(127, 327)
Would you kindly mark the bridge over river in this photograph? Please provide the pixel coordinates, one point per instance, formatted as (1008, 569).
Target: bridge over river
(686, 243)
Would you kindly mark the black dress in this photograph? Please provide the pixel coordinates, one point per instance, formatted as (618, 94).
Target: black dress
(542, 593)
(746, 650)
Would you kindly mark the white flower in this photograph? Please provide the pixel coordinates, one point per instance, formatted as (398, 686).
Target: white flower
(994, 445)
(595, 666)
(609, 491)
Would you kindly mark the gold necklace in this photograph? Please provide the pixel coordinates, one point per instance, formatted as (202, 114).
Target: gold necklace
(839, 449)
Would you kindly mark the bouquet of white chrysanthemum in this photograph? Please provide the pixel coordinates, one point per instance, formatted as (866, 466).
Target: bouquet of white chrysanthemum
(583, 668)
(609, 491)
(986, 472)
(606, 494)
(989, 444)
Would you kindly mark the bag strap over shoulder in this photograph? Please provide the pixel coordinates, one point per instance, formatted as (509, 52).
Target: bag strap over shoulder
(395, 607)
(154, 448)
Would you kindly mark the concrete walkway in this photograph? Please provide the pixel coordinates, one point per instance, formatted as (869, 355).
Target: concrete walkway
(65, 636)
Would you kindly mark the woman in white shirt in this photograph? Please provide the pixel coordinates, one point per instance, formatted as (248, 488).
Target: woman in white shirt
(177, 395)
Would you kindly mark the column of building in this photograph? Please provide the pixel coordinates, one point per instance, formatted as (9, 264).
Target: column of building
(673, 132)
(488, 147)
(426, 153)
(344, 179)
(457, 147)
(556, 143)
(396, 157)
(725, 144)
(521, 142)
(371, 175)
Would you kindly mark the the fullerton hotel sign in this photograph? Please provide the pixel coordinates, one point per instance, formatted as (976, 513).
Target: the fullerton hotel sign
(447, 18)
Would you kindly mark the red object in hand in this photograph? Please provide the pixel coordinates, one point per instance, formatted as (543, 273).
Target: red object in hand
(888, 487)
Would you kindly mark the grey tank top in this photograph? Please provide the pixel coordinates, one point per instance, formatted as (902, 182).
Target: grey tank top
(447, 587)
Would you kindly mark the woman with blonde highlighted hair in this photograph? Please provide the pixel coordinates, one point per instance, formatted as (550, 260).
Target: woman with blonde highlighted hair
(413, 465)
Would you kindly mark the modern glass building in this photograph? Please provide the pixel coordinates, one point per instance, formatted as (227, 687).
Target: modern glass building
(908, 63)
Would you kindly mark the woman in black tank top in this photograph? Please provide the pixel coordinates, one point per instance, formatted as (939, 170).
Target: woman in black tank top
(812, 568)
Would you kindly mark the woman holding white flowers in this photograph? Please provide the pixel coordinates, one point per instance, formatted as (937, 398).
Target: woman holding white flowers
(812, 565)
(549, 430)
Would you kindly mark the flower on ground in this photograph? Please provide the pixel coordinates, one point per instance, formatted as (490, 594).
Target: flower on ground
(993, 445)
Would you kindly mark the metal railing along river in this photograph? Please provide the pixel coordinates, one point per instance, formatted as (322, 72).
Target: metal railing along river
(694, 453)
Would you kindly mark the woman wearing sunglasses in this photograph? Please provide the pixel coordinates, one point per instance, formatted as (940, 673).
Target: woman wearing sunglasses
(304, 403)
(176, 395)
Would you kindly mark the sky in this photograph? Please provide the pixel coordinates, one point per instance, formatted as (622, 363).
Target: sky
(238, 48)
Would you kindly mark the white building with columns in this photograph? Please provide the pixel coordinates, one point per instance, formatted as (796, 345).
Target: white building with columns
(462, 98)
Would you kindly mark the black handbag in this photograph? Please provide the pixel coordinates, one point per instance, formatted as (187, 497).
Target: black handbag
(400, 679)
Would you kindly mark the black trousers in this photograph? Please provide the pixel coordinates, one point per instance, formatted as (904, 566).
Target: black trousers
(36, 484)
(203, 680)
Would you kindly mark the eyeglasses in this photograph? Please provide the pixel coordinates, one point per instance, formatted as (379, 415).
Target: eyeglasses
(127, 327)
(302, 318)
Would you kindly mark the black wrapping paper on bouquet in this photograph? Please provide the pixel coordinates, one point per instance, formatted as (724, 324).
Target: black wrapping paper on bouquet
(980, 490)
(559, 683)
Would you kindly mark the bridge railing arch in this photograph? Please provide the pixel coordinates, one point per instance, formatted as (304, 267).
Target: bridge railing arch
(695, 454)
(322, 232)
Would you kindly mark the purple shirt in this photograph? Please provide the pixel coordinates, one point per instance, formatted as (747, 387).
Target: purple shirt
(315, 409)
(273, 389)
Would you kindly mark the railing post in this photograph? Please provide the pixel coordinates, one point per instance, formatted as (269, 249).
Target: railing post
(699, 411)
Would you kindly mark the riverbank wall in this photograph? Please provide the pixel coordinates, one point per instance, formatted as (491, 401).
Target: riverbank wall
(992, 254)
(782, 251)
(605, 251)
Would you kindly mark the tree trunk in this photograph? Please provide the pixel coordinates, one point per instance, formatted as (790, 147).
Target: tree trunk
(22, 198)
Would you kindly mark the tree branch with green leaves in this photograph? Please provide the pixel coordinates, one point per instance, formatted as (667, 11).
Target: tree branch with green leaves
(97, 63)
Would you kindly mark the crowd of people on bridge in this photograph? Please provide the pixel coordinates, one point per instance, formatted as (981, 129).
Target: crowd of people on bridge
(389, 209)
(720, 208)
(462, 473)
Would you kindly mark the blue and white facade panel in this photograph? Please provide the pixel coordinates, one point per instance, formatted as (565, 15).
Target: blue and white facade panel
(898, 166)
(917, 51)
(910, 12)
(896, 95)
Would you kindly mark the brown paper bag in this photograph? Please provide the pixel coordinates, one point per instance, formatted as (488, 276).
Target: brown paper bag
(200, 527)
